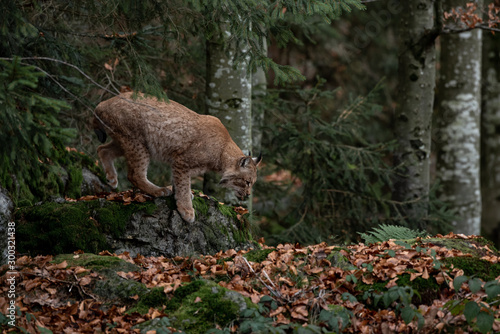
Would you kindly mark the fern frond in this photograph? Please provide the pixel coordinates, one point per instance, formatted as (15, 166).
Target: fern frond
(386, 232)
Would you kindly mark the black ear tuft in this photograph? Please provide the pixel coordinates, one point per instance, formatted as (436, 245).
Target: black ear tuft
(258, 159)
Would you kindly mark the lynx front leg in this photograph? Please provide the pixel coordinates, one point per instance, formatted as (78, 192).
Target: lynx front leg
(137, 157)
(183, 197)
(107, 154)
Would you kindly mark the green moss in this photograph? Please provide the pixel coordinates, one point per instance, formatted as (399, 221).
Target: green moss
(338, 260)
(258, 255)
(466, 246)
(78, 160)
(53, 228)
(200, 304)
(426, 290)
(378, 286)
(95, 262)
(226, 210)
(111, 288)
(475, 267)
(200, 205)
(155, 298)
(74, 184)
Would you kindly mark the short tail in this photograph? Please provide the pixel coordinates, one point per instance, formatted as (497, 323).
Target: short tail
(99, 130)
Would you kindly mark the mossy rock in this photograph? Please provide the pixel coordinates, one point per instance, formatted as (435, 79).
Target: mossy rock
(152, 228)
(58, 228)
(474, 267)
(196, 306)
(474, 247)
(95, 262)
(111, 289)
(155, 298)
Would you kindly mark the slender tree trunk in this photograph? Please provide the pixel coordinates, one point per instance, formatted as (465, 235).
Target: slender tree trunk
(458, 140)
(490, 138)
(417, 63)
(259, 90)
(229, 98)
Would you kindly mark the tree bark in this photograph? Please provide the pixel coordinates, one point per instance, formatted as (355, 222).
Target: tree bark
(458, 134)
(417, 58)
(229, 98)
(490, 139)
(259, 90)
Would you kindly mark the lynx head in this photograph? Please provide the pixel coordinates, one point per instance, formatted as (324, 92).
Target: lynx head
(242, 177)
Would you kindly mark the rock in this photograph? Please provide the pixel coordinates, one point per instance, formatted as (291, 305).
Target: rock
(91, 183)
(152, 228)
(6, 207)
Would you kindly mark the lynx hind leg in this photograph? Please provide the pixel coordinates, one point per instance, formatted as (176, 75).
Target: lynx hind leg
(107, 154)
(138, 158)
(183, 195)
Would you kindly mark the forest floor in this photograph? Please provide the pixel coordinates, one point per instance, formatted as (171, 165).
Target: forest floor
(442, 284)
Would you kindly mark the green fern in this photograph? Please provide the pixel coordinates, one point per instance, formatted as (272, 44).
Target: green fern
(387, 232)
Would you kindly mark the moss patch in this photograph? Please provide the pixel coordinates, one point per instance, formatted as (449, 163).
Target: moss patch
(111, 288)
(426, 290)
(58, 228)
(474, 267)
(258, 255)
(226, 210)
(338, 260)
(198, 305)
(467, 246)
(200, 205)
(75, 179)
(155, 298)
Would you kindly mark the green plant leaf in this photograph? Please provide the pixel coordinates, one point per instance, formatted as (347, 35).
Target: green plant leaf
(475, 285)
(458, 281)
(471, 311)
(492, 289)
(407, 313)
(485, 322)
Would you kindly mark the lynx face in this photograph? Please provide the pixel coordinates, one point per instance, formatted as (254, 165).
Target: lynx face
(242, 178)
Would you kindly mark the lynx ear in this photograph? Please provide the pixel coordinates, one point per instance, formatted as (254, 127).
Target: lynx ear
(258, 159)
(245, 161)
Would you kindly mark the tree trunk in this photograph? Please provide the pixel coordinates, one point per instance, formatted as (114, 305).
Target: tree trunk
(490, 141)
(458, 136)
(229, 98)
(417, 57)
(259, 90)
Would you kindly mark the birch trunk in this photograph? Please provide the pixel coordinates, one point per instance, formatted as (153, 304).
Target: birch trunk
(259, 90)
(458, 136)
(417, 58)
(490, 164)
(229, 98)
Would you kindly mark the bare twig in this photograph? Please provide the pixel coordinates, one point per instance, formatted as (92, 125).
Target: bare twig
(276, 293)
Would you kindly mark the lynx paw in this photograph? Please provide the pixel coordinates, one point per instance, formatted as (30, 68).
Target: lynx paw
(166, 191)
(113, 182)
(186, 214)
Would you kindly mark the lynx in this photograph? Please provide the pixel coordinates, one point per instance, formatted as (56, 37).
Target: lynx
(146, 128)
